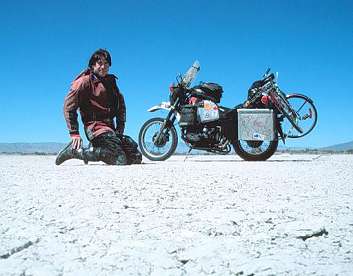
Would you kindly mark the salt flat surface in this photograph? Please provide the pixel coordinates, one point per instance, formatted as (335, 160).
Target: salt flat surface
(214, 215)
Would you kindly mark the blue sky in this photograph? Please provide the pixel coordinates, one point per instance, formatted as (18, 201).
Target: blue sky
(44, 44)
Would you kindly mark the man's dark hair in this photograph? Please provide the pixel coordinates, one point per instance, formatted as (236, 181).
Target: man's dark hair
(98, 55)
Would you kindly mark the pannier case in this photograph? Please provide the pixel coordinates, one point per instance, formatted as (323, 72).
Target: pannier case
(256, 124)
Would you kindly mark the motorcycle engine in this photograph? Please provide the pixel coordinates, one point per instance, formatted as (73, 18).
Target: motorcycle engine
(203, 136)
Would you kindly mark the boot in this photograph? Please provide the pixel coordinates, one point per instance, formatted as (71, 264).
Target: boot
(102, 154)
(90, 154)
(133, 157)
(121, 159)
(68, 153)
(136, 158)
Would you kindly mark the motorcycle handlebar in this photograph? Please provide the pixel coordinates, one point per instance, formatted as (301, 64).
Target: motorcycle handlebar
(266, 73)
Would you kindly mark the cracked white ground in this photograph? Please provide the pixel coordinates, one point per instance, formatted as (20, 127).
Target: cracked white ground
(219, 215)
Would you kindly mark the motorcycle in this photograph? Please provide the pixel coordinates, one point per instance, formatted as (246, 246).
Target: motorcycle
(252, 128)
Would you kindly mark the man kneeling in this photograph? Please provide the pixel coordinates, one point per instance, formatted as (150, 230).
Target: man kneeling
(102, 107)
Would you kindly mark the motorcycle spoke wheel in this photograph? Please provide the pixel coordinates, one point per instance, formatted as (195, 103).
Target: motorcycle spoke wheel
(157, 144)
(306, 115)
(254, 144)
(254, 147)
(255, 150)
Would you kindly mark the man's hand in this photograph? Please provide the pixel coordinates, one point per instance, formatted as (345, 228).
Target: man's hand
(76, 142)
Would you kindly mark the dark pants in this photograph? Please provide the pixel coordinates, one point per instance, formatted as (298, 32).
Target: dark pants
(113, 149)
(129, 146)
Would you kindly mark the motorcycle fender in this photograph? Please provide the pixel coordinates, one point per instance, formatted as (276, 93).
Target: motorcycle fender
(164, 106)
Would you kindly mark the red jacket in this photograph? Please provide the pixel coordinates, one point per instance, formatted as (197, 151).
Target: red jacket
(99, 102)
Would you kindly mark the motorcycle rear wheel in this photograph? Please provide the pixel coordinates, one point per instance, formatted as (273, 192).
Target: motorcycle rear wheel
(164, 147)
(259, 151)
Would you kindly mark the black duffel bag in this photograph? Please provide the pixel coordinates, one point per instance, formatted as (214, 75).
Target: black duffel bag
(254, 88)
(209, 91)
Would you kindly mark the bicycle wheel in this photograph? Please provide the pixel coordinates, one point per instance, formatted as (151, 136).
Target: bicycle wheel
(306, 115)
(286, 109)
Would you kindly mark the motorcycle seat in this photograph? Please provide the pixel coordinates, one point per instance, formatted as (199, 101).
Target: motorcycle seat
(225, 109)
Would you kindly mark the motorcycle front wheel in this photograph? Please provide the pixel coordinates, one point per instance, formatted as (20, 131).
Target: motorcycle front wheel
(157, 142)
(255, 150)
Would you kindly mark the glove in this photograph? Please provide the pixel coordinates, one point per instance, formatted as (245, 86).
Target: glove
(76, 141)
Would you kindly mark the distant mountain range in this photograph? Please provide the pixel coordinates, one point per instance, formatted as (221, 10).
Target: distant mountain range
(31, 148)
(53, 148)
(340, 147)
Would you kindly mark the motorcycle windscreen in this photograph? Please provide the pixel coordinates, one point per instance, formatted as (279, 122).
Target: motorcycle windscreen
(256, 124)
(207, 112)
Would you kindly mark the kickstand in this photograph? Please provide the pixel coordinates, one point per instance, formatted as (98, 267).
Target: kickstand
(187, 154)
